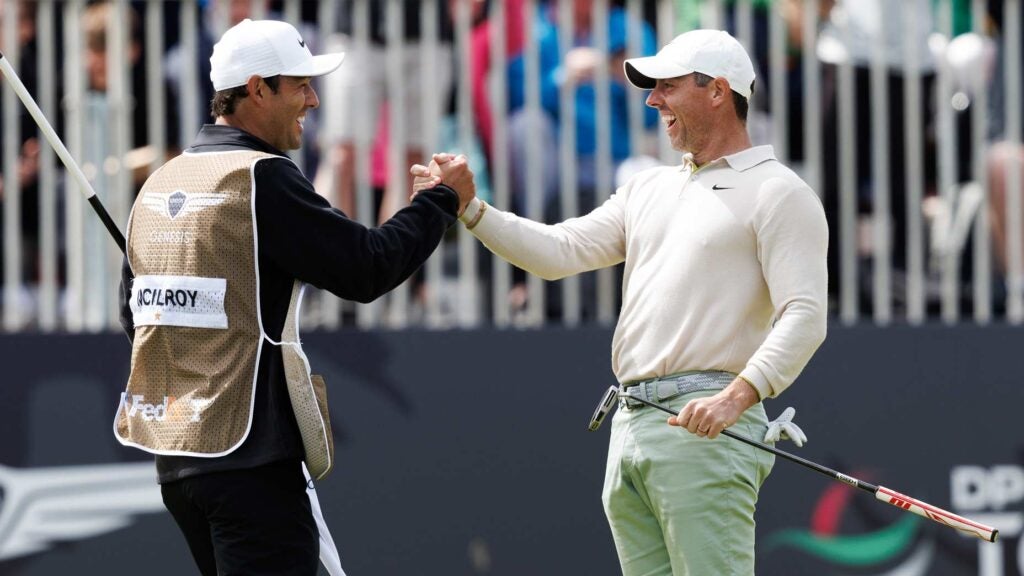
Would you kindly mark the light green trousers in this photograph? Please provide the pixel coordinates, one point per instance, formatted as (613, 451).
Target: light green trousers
(679, 504)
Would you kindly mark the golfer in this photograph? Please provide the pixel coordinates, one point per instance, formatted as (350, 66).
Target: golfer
(221, 241)
(723, 304)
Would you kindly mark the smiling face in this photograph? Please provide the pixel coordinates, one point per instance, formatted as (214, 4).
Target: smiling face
(286, 112)
(685, 110)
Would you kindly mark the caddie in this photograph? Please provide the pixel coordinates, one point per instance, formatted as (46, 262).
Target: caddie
(221, 242)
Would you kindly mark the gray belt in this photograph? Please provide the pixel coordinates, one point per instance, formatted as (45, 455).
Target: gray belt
(662, 389)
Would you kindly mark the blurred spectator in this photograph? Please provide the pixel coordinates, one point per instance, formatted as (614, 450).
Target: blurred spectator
(480, 148)
(1005, 159)
(542, 131)
(480, 50)
(792, 12)
(175, 68)
(95, 22)
(363, 79)
(850, 35)
(101, 157)
(27, 163)
(579, 67)
(480, 38)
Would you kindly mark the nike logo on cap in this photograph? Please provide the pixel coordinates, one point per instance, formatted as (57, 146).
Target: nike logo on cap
(302, 42)
(717, 187)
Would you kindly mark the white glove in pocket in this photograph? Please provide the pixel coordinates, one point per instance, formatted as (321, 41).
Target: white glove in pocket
(783, 428)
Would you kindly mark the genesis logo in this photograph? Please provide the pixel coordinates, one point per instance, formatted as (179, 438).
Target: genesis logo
(42, 506)
(172, 204)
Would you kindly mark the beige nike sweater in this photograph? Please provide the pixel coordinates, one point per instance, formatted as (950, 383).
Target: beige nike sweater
(724, 267)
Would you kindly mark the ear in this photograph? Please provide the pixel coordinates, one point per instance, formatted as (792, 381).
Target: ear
(256, 88)
(720, 91)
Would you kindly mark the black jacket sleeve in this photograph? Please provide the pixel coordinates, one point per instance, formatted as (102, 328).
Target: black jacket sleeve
(303, 235)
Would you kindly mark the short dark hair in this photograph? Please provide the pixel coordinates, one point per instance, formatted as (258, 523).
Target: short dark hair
(739, 102)
(225, 101)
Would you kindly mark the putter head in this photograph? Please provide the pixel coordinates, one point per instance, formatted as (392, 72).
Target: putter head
(604, 407)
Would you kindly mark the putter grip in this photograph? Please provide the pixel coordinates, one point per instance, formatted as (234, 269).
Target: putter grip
(904, 502)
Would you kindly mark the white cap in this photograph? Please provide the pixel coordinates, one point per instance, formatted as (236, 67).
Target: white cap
(265, 48)
(711, 52)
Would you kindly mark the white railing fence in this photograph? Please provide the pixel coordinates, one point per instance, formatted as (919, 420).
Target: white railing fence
(906, 121)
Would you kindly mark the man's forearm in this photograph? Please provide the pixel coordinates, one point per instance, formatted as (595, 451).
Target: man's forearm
(549, 251)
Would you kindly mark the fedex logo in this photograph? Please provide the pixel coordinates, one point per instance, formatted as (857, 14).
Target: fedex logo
(136, 406)
(148, 412)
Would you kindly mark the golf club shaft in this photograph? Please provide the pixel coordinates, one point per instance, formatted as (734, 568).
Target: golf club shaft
(882, 493)
(51, 136)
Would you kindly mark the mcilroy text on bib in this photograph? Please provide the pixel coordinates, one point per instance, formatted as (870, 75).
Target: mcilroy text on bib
(179, 301)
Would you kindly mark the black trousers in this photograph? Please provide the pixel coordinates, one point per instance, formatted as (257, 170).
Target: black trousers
(247, 522)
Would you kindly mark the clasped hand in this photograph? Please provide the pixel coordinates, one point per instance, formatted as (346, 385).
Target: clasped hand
(451, 170)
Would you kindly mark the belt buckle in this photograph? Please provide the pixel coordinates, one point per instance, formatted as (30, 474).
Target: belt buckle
(626, 399)
(641, 390)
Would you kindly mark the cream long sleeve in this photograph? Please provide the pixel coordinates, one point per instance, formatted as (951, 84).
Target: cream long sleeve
(724, 267)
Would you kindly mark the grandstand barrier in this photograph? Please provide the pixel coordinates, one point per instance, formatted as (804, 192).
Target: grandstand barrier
(467, 452)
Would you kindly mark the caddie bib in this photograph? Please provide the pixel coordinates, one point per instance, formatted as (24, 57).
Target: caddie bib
(195, 302)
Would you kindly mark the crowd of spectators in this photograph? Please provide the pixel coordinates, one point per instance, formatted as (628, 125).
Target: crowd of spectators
(362, 110)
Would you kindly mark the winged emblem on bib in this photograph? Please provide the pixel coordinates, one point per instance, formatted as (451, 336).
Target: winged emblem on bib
(174, 204)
